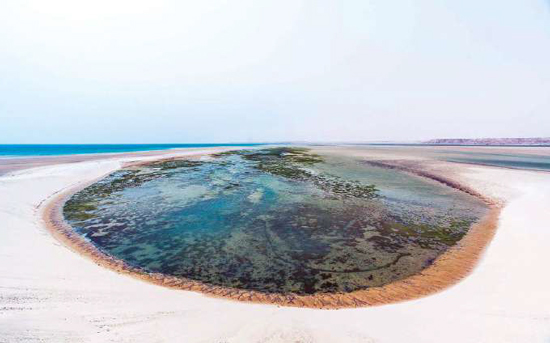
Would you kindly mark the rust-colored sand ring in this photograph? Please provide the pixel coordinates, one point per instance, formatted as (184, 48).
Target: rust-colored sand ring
(448, 269)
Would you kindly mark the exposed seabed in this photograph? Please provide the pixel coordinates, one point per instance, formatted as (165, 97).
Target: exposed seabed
(449, 268)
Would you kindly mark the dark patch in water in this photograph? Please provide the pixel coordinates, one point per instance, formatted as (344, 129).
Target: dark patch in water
(267, 220)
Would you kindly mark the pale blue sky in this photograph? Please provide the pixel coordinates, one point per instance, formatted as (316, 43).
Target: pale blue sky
(108, 71)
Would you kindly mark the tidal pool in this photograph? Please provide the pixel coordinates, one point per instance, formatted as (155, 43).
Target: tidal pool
(277, 220)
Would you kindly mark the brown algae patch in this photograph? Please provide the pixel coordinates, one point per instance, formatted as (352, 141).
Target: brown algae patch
(330, 272)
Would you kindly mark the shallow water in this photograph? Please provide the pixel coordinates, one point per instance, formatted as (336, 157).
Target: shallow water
(519, 161)
(232, 221)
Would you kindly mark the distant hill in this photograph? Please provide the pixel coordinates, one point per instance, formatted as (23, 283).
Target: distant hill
(490, 141)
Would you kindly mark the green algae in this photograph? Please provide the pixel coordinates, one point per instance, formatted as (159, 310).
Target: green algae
(293, 163)
(270, 220)
(392, 233)
(175, 164)
(79, 208)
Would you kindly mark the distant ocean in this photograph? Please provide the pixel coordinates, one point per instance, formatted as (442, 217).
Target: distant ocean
(15, 150)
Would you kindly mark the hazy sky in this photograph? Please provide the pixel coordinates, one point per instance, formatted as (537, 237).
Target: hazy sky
(108, 71)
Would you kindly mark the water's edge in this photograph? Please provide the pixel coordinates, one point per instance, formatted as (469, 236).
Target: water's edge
(448, 269)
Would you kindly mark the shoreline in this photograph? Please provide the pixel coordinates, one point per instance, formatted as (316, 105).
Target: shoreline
(448, 269)
(10, 164)
(49, 293)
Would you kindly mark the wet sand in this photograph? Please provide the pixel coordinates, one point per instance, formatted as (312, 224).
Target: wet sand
(447, 269)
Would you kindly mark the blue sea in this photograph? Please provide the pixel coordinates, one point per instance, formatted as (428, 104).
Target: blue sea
(24, 150)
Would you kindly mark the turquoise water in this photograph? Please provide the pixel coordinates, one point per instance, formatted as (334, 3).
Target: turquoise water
(78, 149)
(273, 220)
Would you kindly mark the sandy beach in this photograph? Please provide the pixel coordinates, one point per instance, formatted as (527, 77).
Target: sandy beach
(8, 165)
(49, 293)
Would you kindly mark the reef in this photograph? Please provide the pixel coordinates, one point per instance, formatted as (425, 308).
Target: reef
(264, 225)
(293, 163)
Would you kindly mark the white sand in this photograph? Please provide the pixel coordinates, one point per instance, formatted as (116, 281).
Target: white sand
(50, 294)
